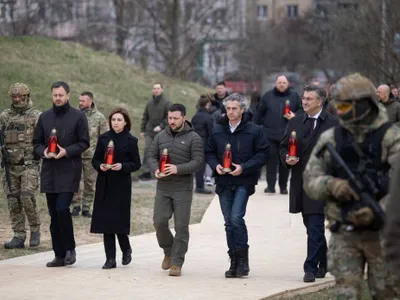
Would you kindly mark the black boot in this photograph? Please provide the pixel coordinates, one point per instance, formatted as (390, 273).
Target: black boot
(127, 257)
(232, 269)
(243, 262)
(70, 257)
(75, 211)
(15, 243)
(56, 262)
(110, 264)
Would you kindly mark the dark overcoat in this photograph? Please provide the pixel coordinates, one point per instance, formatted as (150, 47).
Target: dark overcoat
(112, 202)
(62, 175)
(298, 199)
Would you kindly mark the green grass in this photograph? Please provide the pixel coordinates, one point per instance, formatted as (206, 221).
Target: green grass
(39, 62)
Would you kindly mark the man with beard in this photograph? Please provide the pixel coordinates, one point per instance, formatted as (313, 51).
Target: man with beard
(97, 125)
(369, 145)
(60, 174)
(175, 185)
(271, 116)
(17, 126)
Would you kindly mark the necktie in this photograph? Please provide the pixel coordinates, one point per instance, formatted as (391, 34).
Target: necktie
(310, 125)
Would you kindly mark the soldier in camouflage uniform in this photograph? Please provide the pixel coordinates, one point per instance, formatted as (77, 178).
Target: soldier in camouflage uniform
(18, 124)
(97, 126)
(353, 243)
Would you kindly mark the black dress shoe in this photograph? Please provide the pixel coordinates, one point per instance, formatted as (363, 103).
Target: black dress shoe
(56, 262)
(284, 192)
(127, 257)
(110, 264)
(269, 190)
(309, 277)
(70, 257)
(321, 273)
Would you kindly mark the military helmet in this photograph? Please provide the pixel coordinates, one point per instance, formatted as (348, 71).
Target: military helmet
(354, 87)
(19, 89)
(355, 96)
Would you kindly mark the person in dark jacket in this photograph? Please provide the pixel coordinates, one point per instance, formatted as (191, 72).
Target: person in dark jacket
(202, 123)
(217, 108)
(271, 115)
(175, 187)
(60, 176)
(308, 128)
(112, 202)
(254, 103)
(249, 149)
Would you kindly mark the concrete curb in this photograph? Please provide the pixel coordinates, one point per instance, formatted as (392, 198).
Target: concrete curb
(301, 291)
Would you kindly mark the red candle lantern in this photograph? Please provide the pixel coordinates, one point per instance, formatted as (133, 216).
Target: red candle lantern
(52, 143)
(109, 155)
(227, 159)
(287, 108)
(292, 146)
(164, 160)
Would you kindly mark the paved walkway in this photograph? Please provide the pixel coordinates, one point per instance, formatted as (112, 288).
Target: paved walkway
(277, 251)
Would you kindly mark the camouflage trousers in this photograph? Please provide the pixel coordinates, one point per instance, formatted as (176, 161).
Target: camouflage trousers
(22, 198)
(88, 181)
(349, 253)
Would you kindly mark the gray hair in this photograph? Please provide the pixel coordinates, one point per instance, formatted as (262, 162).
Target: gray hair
(236, 97)
(321, 93)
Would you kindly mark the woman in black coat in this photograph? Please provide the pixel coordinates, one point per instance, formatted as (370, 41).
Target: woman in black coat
(202, 123)
(112, 202)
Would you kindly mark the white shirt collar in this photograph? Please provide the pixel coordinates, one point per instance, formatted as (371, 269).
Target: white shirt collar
(316, 116)
(233, 128)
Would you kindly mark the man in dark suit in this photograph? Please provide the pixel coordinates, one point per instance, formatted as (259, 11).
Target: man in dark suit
(308, 128)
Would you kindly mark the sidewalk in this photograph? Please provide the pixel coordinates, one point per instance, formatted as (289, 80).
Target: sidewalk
(277, 250)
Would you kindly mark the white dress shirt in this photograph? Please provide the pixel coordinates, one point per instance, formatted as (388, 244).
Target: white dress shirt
(315, 117)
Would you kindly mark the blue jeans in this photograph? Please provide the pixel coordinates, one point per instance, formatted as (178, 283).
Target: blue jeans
(233, 201)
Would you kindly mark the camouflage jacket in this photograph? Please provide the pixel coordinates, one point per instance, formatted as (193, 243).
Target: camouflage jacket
(318, 170)
(18, 125)
(97, 125)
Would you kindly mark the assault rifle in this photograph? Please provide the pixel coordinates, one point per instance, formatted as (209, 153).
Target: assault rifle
(5, 160)
(361, 186)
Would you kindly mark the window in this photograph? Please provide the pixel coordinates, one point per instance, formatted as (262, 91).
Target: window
(262, 12)
(292, 11)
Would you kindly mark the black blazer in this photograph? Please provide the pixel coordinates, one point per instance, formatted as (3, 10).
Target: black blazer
(298, 199)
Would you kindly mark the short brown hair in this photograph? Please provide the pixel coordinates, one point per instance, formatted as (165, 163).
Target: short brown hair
(123, 112)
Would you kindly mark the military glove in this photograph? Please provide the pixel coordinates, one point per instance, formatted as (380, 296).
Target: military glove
(363, 216)
(341, 190)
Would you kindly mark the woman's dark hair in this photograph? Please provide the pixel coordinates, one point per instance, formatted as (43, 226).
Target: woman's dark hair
(203, 100)
(255, 98)
(123, 112)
